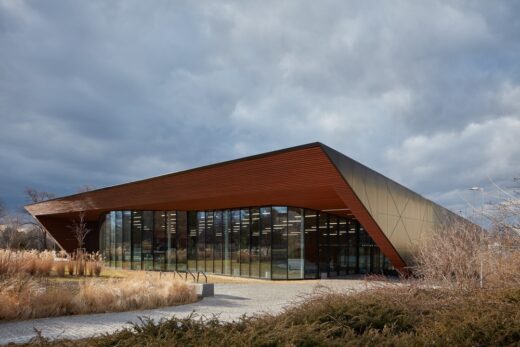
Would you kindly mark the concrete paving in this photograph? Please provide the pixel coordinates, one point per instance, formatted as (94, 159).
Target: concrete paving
(230, 302)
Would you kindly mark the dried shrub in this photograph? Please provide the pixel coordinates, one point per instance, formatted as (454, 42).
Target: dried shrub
(24, 296)
(59, 267)
(71, 267)
(28, 262)
(391, 316)
(466, 256)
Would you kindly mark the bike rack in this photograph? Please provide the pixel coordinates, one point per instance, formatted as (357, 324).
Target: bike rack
(203, 274)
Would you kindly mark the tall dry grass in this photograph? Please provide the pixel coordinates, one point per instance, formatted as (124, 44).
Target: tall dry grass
(25, 297)
(462, 255)
(35, 263)
(28, 262)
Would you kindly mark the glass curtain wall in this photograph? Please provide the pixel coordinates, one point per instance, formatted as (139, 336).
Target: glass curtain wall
(269, 242)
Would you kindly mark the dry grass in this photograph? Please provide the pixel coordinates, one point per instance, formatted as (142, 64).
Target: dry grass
(392, 316)
(29, 262)
(465, 256)
(34, 263)
(34, 284)
(25, 297)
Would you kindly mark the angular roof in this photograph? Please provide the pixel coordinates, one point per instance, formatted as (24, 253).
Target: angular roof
(312, 176)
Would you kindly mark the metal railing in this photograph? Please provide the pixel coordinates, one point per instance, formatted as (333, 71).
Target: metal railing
(184, 275)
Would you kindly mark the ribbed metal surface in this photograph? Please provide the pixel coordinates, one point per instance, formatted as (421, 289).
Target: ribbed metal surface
(403, 217)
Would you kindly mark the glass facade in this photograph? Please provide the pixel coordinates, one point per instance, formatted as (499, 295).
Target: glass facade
(269, 242)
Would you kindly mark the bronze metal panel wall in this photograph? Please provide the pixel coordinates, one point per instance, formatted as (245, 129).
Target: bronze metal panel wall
(405, 217)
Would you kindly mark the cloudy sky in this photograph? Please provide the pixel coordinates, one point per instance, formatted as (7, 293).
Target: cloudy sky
(103, 92)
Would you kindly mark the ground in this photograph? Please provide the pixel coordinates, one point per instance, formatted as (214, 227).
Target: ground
(233, 298)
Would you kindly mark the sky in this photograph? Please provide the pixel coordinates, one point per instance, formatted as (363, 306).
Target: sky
(103, 92)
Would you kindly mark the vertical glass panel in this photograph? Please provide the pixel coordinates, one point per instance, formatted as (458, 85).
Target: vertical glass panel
(106, 232)
(113, 242)
(182, 240)
(147, 241)
(101, 236)
(127, 239)
(295, 249)
(218, 246)
(201, 240)
(255, 242)
(265, 242)
(365, 243)
(333, 246)
(160, 244)
(376, 260)
(137, 227)
(352, 246)
(192, 241)
(171, 242)
(244, 242)
(311, 244)
(279, 243)
(226, 219)
(119, 239)
(235, 242)
(323, 242)
(210, 237)
(343, 247)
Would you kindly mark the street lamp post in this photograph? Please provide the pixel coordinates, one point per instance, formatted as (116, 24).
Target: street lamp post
(481, 190)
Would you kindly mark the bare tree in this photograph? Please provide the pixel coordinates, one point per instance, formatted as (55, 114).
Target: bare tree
(79, 229)
(2, 209)
(11, 237)
(35, 196)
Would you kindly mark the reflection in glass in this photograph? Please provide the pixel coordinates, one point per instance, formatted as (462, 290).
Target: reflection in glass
(192, 241)
(263, 242)
(255, 243)
(171, 241)
(323, 242)
(137, 218)
(127, 239)
(182, 241)
(201, 240)
(210, 236)
(159, 241)
(147, 240)
(311, 244)
(279, 242)
(218, 253)
(235, 242)
(295, 248)
(244, 242)
(226, 229)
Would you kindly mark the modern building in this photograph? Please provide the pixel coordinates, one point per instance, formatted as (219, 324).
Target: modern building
(297, 213)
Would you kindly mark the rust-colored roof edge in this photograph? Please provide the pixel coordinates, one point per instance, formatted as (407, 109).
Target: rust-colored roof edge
(402, 265)
(251, 157)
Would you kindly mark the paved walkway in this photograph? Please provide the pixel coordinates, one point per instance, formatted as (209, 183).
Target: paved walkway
(230, 302)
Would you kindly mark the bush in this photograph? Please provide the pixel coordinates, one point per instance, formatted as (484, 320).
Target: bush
(24, 297)
(466, 256)
(389, 317)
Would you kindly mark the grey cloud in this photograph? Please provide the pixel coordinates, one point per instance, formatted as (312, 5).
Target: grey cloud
(104, 92)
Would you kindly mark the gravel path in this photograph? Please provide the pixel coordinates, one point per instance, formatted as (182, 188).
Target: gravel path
(230, 302)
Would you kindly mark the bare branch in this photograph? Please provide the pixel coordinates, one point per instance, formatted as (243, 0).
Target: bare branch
(79, 229)
(34, 196)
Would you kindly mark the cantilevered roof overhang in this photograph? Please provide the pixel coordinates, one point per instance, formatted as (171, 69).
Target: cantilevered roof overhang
(312, 176)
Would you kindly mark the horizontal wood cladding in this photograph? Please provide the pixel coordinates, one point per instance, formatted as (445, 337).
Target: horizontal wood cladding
(297, 178)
